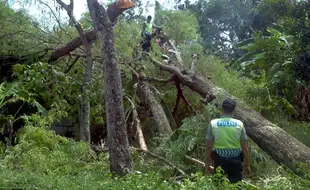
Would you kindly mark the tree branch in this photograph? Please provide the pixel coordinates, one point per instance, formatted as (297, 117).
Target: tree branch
(171, 69)
(194, 63)
(136, 121)
(177, 102)
(56, 18)
(195, 83)
(196, 161)
(161, 159)
(153, 79)
(179, 96)
(72, 64)
(113, 12)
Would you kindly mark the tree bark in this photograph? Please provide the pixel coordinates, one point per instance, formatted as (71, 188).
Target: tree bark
(120, 157)
(169, 115)
(136, 123)
(302, 102)
(85, 105)
(175, 55)
(113, 12)
(147, 97)
(281, 146)
(76, 126)
(195, 83)
(194, 63)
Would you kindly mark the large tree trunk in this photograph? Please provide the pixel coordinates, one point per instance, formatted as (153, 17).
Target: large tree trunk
(147, 97)
(113, 12)
(281, 146)
(120, 157)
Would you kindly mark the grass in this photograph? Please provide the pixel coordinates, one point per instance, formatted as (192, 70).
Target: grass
(44, 160)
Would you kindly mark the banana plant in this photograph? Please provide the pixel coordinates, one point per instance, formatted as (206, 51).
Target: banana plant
(269, 59)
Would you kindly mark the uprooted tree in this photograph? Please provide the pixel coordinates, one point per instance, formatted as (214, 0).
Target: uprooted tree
(281, 146)
(272, 139)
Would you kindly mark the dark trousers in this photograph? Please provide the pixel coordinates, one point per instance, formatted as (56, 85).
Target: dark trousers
(232, 166)
(146, 43)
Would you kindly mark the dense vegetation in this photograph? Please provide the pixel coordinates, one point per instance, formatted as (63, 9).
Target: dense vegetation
(265, 64)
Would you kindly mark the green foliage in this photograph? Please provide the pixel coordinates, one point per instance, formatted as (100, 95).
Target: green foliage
(21, 34)
(16, 32)
(15, 92)
(43, 159)
(181, 26)
(269, 63)
(223, 23)
(127, 34)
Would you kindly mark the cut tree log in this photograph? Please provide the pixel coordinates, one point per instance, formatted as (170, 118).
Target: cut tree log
(281, 146)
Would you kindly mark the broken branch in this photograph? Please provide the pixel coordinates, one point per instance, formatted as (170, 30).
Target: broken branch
(195, 160)
(153, 79)
(136, 121)
(195, 83)
(72, 64)
(161, 159)
(113, 12)
(194, 63)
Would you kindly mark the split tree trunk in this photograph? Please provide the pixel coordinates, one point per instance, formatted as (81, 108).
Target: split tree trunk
(120, 157)
(136, 122)
(147, 97)
(281, 146)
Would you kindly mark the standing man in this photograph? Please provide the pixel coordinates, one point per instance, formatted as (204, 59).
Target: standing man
(227, 144)
(146, 34)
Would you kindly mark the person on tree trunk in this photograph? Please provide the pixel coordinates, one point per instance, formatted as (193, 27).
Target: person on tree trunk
(227, 144)
(146, 34)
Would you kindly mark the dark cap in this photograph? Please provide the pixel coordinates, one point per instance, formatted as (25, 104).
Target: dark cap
(229, 105)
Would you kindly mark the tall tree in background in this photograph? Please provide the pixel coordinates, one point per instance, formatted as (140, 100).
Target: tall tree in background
(85, 105)
(120, 158)
(223, 23)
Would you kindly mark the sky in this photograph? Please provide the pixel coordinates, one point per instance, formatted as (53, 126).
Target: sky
(80, 6)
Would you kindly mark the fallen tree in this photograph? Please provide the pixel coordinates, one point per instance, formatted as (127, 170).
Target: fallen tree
(281, 146)
(158, 114)
(113, 11)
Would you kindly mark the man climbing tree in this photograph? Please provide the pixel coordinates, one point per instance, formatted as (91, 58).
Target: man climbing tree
(226, 142)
